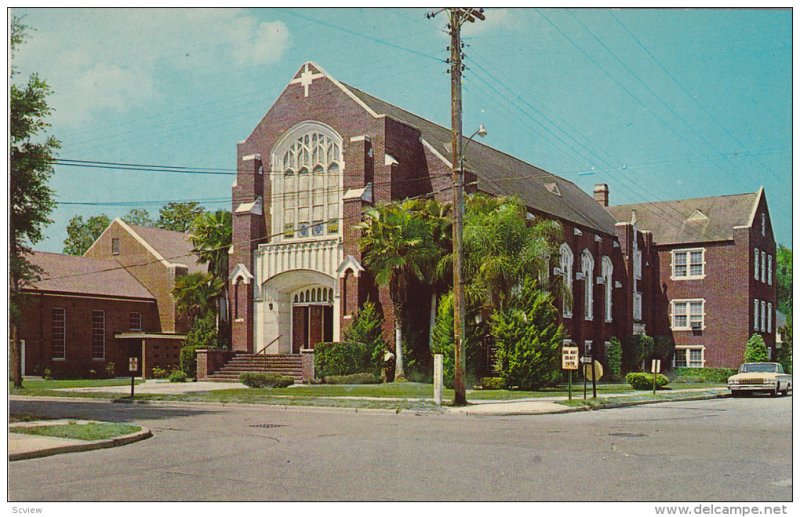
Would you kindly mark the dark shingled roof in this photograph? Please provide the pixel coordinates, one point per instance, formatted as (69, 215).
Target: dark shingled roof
(501, 174)
(83, 275)
(703, 219)
(173, 246)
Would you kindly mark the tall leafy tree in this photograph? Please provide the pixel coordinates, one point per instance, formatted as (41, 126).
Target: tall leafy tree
(82, 234)
(31, 154)
(397, 247)
(139, 217)
(210, 235)
(784, 279)
(178, 216)
(195, 293)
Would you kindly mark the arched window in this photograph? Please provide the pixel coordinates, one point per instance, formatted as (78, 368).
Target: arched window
(566, 261)
(608, 282)
(311, 165)
(587, 267)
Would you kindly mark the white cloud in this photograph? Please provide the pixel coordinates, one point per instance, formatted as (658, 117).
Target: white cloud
(115, 59)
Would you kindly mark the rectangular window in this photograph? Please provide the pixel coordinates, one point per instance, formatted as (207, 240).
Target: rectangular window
(755, 263)
(58, 334)
(763, 266)
(689, 357)
(763, 316)
(688, 314)
(637, 264)
(115, 246)
(135, 321)
(688, 264)
(755, 314)
(769, 269)
(769, 317)
(637, 306)
(318, 228)
(587, 347)
(98, 335)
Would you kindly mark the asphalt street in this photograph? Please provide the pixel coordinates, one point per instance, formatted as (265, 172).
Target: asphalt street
(714, 450)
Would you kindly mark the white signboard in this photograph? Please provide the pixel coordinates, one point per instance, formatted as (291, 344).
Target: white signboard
(655, 367)
(133, 364)
(569, 358)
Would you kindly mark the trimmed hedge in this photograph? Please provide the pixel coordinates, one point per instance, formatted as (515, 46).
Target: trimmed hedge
(341, 359)
(492, 383)
(705, 374)
(177, 376)
(353, 378)
(265, 380)
(644, 381)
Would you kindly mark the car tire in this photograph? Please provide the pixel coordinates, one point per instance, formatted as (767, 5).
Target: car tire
(785, 392)
(734, 394)
(774, 393)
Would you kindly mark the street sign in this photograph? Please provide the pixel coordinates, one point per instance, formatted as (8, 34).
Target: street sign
(133, 364)
(655, 367)
(593, 373)
(585, 359)
(569, 358)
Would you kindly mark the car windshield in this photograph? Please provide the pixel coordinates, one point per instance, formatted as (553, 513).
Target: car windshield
(758, 367)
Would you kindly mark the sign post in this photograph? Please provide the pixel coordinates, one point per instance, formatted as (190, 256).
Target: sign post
(569, 362)
(655, 369)
(133, 364)
(438, 378)
(584, 361)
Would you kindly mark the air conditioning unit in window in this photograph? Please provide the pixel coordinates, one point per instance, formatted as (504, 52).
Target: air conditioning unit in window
(696, 325)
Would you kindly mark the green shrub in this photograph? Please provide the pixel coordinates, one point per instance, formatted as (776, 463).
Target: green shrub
(265, 380)
(160, 373)
(664, 349)
(47, 374)
(110, 370)
(614, 359)
(341, 359)
(492, 383)
(756, 350)
(353, 378)
(705, 374)
(177, 376)
(528, 338)
(635, 350)
(367, 328)
(203, 333)
(188, 361)
(644, 381)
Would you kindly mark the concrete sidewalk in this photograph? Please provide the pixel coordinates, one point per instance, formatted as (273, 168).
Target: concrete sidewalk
(23, 446)
(160, 388)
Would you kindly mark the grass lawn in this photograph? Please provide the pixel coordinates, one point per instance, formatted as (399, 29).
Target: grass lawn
(89, 432)
(75, 383)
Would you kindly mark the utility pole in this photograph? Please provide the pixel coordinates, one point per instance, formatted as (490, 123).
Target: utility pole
(457, 16)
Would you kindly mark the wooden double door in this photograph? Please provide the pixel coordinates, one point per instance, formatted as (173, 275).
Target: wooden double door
(311, 324)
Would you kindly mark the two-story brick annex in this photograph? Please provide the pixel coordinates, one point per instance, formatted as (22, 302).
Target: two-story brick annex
(110, 304)
(325, 151)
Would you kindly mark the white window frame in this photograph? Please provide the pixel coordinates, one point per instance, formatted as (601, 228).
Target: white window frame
(587, 347)
(637, 264)
(755, 263)
(769, 317)
(763, 316)
(769, 269)
(101, 335)
(763, 224)
(587, 268)
(688, 304)
(755, 314)
(63, 355)
(115, 245)
(763, 266)
(688, 253)
(567, 261)
(686, 350)
(131, 326)
(608, 280)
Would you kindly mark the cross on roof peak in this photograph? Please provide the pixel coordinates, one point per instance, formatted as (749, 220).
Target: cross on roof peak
(306, 77)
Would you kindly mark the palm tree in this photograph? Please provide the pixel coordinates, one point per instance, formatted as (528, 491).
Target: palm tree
(195, 294)
(397, 246)
(210, 235)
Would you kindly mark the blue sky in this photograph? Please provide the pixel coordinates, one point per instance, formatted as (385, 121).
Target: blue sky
(659, 104)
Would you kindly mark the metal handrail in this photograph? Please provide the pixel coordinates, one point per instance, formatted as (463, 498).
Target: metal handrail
(263, 351)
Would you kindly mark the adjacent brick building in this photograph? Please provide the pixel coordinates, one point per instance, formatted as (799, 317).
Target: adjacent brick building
(325, 150)
(111, 304)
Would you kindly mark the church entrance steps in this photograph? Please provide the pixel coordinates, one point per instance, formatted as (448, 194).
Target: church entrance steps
(289, 365)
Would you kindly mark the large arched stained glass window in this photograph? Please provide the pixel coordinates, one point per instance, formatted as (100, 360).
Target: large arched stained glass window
(311, 178)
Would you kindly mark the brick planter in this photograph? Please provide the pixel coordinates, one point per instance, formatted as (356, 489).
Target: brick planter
(209, 361)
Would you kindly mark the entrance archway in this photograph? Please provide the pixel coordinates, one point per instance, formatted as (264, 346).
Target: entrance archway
(312, 317)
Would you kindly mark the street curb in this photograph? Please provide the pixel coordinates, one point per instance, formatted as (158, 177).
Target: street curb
(143, 434)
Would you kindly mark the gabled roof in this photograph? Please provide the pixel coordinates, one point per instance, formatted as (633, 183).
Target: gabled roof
(83, 275)
(501, 174)
(174, 247)
(703, 219)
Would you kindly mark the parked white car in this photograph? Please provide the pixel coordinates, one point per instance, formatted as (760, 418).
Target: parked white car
(764, 377)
